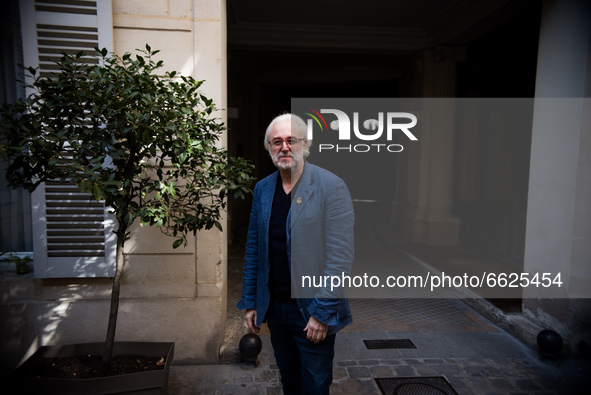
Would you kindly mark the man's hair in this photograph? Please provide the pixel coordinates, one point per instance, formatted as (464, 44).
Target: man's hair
(296, 123)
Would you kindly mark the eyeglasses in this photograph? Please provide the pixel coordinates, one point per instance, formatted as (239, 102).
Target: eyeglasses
(279, 143)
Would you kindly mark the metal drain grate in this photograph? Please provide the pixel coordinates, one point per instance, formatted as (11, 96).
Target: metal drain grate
(415, 386)
(389, 343)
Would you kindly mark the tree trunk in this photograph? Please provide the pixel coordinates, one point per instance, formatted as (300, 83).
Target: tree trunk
(110, 340)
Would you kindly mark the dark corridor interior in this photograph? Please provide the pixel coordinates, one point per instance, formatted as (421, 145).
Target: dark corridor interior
(372, 52)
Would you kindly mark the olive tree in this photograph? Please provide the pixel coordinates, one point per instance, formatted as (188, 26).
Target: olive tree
(147, 144)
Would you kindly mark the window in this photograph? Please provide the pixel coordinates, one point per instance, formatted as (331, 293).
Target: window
(15, 204)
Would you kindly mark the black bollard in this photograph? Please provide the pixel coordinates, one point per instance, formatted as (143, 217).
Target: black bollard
(550, 343)
(250, 346)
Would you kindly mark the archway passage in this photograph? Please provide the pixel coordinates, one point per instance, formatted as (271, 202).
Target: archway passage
(277, 53)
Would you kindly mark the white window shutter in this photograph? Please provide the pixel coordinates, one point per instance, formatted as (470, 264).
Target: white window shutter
(72, 233)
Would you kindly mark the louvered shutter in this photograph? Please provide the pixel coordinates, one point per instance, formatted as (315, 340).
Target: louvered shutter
(72, 232)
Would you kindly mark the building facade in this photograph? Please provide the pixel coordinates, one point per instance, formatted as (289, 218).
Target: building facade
(520, 197)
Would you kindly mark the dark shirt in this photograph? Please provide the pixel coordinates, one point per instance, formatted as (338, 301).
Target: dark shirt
(279, 276)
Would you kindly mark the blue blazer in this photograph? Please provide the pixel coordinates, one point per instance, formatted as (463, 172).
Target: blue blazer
(319, 243)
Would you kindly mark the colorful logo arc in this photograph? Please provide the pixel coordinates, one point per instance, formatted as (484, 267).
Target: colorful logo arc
(315, 117)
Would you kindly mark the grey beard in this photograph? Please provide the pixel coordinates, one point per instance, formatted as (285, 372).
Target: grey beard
(294, 163)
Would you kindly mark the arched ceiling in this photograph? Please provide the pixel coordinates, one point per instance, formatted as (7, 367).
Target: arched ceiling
(370, 26)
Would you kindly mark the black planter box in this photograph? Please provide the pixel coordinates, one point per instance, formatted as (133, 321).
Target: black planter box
(154, 382)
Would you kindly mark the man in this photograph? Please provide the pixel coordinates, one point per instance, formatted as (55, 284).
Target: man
(301, 224)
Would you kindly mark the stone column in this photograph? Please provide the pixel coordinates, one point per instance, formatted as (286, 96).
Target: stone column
(209, 59)
(558, 217)
(430, 220)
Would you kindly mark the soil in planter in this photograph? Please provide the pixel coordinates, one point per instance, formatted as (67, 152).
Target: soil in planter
(88, 366)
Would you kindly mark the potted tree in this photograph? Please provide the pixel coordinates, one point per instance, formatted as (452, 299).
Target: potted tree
(145, 144)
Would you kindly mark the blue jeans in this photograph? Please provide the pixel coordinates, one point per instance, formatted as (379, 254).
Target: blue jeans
(305, 367)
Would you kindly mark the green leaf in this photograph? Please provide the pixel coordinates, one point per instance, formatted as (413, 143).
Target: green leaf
(97, 192)
(128, 218)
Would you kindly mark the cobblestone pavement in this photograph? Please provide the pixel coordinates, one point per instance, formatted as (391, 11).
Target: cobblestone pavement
(465, 375)
(461, 346)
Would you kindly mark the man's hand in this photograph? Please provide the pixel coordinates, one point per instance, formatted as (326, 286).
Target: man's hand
(316, 330)
(251, 318)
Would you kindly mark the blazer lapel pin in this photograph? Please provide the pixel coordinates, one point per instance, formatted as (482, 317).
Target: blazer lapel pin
(299, 200)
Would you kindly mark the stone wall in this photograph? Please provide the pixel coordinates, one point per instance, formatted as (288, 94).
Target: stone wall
(167, 295)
